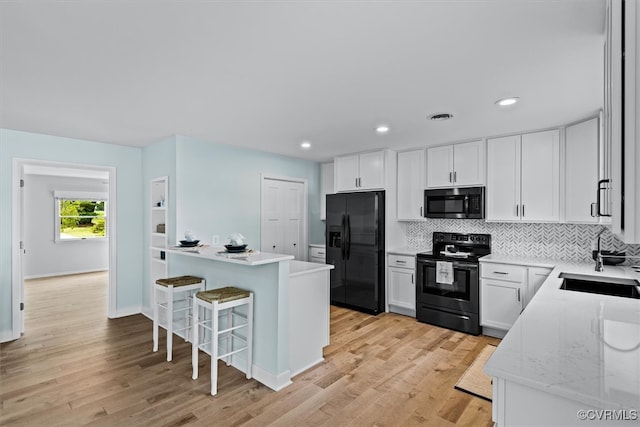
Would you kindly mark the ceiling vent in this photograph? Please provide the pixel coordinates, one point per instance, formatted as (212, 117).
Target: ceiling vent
(440, 116)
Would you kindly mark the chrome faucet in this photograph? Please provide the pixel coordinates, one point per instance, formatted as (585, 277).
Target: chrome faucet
(599, 263)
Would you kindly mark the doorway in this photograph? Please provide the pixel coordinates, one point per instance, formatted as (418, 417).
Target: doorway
(23, 172)
(283, 216)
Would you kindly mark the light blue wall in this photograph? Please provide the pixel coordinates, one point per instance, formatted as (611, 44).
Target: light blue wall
(219, 189)
(129, 239)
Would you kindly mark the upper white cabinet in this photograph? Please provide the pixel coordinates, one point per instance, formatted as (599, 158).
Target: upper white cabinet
(326, 187)
(458, 165)
(523, 182)
(582, 173)
(365, 171)
(411, 183)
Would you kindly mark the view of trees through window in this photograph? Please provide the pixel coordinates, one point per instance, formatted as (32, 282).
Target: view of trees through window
(82, 219)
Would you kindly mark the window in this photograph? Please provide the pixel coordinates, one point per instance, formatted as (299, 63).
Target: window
(80, 216)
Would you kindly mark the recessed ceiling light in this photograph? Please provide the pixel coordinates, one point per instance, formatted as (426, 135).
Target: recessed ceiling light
(382, 129)
(440, 116)
(305, 145)
(504, 102)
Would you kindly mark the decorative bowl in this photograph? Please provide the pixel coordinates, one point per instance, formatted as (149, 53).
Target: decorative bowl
(189, 243)
(235, 248)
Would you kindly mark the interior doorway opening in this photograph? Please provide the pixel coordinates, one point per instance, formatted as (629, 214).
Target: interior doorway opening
(63, 227)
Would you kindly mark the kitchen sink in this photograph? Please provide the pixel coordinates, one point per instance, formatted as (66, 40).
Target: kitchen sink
(614, 286)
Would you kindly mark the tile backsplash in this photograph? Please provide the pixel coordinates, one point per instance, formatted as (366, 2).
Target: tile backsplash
(572, 242)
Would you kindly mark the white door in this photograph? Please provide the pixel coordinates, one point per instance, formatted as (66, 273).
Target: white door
(411, 184)
(283, 217)
(292, 226)
(468, 163)
(503, 179)
(272, 228)
(540, 184)
(440, 166)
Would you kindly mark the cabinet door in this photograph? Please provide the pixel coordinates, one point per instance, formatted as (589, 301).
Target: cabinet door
(503, 179)
(440, 166)
(345, 172)
(402, 288)
(468, 163)
(540, 186)
(536, 276)
(581, 171)
(371, 170)
(326, 187)
(411, 183)
(502, 303)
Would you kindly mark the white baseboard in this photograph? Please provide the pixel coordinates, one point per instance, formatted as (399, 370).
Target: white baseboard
(64, 273)
(128, 311)
(310, 365)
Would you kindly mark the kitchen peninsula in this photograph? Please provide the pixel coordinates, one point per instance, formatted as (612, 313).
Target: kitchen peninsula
(291, 303)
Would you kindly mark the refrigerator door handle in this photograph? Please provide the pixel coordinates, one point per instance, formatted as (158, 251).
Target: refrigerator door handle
(348, 236)
(343, 236)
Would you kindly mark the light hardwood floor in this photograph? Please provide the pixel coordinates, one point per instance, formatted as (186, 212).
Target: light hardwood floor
(74, 366)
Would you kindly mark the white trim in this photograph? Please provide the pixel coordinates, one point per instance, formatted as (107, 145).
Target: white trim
(127, 311)
(17, 279)
(274, 382)
(6, 336)
(81, 195)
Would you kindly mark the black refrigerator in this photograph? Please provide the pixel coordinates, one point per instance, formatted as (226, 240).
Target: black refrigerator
(355, 246)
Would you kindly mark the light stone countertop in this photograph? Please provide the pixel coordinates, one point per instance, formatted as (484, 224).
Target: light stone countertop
(407, 251)
(219, 254)
(300, 268)
(577, 345)
(520, 260)
(317, 245)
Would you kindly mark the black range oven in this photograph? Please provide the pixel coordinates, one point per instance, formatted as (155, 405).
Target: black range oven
(448, 285)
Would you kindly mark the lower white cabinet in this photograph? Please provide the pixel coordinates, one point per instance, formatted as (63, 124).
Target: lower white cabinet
(505, 290)
(502, 303)
(402, 284)
(317, 254)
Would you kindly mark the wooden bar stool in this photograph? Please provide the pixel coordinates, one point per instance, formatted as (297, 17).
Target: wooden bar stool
(171, 287)
(223, 322)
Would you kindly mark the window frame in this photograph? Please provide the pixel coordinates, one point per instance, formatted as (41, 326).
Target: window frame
(76, 196)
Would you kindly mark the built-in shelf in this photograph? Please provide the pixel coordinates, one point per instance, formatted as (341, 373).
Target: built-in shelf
(158, 242)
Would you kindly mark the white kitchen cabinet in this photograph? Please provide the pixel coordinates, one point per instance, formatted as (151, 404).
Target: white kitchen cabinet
(317, 254)
(402, 286)
(501, 302)
(411, 184)
(365, 171)
(523, 182)
(582, 172)
(505, 290)
(457, 165)
(326, 187)
(535, 277)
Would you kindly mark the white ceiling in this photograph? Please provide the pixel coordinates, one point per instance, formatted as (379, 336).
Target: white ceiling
(269, 74)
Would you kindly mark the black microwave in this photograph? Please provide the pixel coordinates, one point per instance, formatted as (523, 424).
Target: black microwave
(461, 203)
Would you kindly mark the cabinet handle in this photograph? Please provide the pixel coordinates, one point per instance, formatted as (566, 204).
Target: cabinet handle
(421, 211)
(451, 177)
(500, 272)
(518, 294)
(320, 253)
(522, 211)
(294, 245)
(594, 210)
(399, 261)
(517, 211)
(356, 182)
(454, 177)
(412, 279)
(274, 246)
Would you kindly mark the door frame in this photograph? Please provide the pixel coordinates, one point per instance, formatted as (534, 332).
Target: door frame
(305, 216)
(17, 222)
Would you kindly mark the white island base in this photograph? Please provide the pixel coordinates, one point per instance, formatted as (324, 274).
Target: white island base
(291, 306)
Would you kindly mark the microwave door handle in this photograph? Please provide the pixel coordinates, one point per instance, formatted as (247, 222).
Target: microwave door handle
(466, 205)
